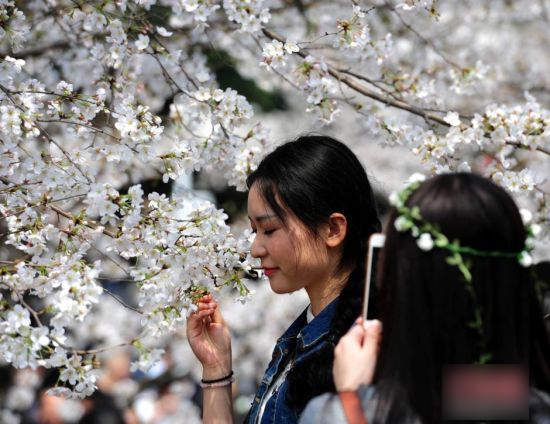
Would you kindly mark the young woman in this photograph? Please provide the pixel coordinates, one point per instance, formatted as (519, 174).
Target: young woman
(452, 291)
(312, 209)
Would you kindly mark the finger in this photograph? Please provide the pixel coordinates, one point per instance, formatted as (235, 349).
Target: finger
(205, 299)
(356, 333)
(206, 306)
(205, 313)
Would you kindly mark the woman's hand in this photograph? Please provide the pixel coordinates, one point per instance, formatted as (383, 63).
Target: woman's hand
(210, 339)
(355, 355)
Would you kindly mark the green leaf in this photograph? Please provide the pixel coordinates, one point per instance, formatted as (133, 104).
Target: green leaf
(415, 213)
(455, 259)
(484, 358)
(441, 240)
(465, 271)
(477, 322)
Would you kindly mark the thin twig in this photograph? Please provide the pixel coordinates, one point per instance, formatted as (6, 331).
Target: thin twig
(40, 203)
(37, 51)
(365, 91)
(191, 80)
(91, 127)
(119, 300)
(102, 349)
(45, 134)
(111, 260)
(522, 146)
(87, 223)
(424, 40)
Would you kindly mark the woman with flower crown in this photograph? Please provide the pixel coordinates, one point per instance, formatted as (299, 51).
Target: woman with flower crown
(454, 289)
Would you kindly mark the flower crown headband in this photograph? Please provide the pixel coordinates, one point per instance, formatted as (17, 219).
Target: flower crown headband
(429, 236)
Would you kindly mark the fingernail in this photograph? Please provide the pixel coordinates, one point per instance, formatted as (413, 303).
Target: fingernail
(373, 325)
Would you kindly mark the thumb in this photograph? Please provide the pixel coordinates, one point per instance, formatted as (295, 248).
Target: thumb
(373, 334)
(217, 317)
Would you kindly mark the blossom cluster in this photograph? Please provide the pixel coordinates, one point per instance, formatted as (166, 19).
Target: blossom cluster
(13, 24)
(495, 143)
(275, 53)
(249, 14)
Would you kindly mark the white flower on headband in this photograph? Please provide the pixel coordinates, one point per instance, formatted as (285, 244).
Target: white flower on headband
(535, 229)
(425, 242)
(417, 177)
(526, 216)
(525, 259)
(395, 200)
(402, 224)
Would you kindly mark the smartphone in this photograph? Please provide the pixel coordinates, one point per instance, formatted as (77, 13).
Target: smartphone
(376, 242)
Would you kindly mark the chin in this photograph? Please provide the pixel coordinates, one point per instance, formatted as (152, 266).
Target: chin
(281, 289)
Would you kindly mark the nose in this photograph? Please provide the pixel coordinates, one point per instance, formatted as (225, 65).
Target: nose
(257, 250)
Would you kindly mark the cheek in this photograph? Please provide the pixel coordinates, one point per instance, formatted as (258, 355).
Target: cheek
(312, 254)
(279, 247)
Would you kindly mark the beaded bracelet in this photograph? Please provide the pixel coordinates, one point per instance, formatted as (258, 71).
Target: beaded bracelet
(217, 380)
(222, 383)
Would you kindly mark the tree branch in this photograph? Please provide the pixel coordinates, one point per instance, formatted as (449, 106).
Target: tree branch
(88, 224)
(394, 102)
(37, 51)
(354, 85)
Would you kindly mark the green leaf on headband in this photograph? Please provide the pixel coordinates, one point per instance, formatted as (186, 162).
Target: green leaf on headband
(476, 323)
(484, 358)
(465, 271)
(454, 260)
(415, 213)
(441, 240)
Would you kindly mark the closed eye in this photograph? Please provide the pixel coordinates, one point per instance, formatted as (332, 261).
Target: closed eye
(268, 232)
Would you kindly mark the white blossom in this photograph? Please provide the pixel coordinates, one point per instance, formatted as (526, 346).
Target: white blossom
(452, 119)
(416, 178)
(164, 32)
(401, 224)
(525, 259)
(526, 216)
(142, 42)
(425, 242)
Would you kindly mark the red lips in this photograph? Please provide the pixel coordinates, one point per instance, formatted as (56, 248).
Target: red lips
(269, 271)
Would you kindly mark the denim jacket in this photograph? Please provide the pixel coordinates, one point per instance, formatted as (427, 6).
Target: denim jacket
(303, 339)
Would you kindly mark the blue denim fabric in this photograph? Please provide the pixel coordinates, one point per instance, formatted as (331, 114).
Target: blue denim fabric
(303, 338)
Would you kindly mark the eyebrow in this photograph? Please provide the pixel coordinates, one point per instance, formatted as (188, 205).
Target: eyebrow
(264, 217)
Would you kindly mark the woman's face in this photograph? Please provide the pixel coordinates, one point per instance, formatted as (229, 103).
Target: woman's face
(292, 257)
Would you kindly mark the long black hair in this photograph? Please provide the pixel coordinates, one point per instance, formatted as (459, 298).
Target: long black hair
(425, 307)
(313, 177)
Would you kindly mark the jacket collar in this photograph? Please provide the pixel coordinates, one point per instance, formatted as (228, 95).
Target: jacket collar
(319, 327)
(310, 333)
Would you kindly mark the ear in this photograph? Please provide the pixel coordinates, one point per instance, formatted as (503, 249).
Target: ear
(337, 228)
